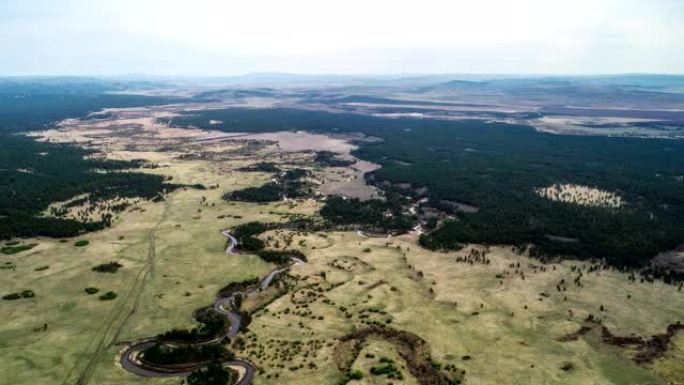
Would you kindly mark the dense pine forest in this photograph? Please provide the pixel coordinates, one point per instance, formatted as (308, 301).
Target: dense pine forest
(34, 174)
(496, 167)
(286, 185)
(30, 104)
(380, 216)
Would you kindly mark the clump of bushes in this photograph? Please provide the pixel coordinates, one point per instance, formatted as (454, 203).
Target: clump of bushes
(387, 367)
(211, 326)
(173, 355)
(246, 236)
(352, 375)
(91, 290)
(295, 173)
(81, 243)
(233, 287)
(111, 267)
(108, 296)
(11, 249)
(280, 256)
(23, 294)
(261, 167)
(212, 374)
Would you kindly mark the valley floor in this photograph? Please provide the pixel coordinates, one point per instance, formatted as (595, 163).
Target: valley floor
(489, 314)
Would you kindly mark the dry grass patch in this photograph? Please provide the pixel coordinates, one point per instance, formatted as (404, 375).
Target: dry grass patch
(581, 195)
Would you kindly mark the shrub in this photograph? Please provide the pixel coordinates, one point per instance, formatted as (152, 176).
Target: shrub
(8, 266)
(108, 296)
(15, 249)
(91, 290)
(355, 375)
(387, 368)
(352, 375)
(23, 294)
(81, 243)
(110, 267)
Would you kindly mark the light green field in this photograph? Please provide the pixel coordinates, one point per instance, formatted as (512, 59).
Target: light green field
(462, 309)
(167, 249)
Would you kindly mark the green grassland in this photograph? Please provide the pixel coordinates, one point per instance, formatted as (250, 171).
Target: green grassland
(173, 262)
(464, 310)
(369, 358)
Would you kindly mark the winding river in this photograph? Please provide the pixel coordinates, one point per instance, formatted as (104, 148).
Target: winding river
(131, 357)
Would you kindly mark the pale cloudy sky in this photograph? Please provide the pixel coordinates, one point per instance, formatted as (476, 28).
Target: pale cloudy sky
(227, 37)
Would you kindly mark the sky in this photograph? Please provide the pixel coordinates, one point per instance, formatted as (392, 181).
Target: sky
(231, 37)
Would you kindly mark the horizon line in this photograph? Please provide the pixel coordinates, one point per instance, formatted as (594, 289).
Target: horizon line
(351, 75)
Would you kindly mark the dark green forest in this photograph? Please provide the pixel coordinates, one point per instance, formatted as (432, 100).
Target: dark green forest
(269, 192)
(288, 184)
(31, 104)
(496, 167)
(381, 216)
(35, 174)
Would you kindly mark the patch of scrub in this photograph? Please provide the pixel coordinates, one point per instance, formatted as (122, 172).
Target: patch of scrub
(14, 249)
(670, 366)
(581, 195)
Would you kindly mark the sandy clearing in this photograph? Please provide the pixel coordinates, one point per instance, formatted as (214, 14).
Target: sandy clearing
(303, 141)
